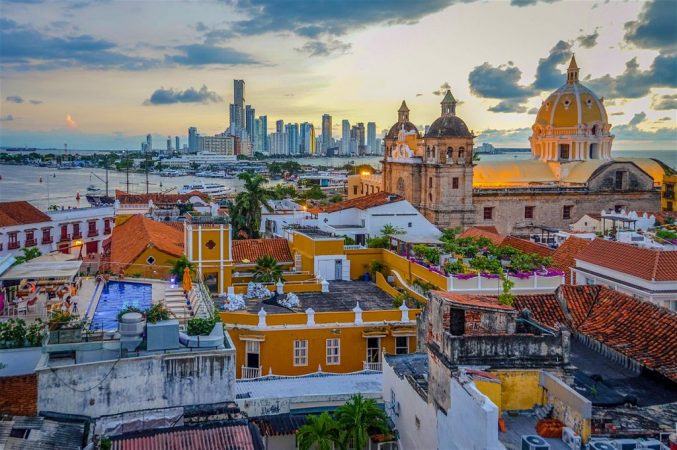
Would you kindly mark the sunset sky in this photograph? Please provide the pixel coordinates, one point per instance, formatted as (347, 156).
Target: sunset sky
(100, 74)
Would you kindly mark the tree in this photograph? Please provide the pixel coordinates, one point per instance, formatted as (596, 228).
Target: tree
(246, 213)
(357, 417)
(506, 297)
(180, 265)
(314, 193)
(282, 191)
(267, 270)
(389, 229)
(28, 254)
(320, 432)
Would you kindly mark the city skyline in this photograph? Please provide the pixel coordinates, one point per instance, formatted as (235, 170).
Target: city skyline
(68, 76)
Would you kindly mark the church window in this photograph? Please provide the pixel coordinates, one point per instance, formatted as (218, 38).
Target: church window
(594, 130)
(461, 154)
(566, 211)
(354, 190)
(563, 151)
(400, 185)
(454, 183)
(618, 179)
(430, 182)
(528, 212)
(430, 197)
(488, 213)
(450, 154)
(362, 188)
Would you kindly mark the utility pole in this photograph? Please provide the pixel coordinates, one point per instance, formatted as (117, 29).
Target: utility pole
(146, 172)
(127, 169)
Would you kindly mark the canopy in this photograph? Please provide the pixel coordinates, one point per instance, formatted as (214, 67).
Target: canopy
(61, 271)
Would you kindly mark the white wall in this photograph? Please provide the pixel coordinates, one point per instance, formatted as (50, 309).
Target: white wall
(399, 214)
(412, 406)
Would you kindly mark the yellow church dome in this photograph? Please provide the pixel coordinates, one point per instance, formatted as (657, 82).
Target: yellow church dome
(572, 105)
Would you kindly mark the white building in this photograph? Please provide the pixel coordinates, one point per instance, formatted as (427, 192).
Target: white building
(220, 145)
(79, 231)
(611, 220)
(204, 158)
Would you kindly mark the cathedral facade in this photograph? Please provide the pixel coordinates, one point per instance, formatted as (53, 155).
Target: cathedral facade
(570, 173)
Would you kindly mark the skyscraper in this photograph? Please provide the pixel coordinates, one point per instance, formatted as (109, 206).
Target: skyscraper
(361, 147)
(149, 142)
(178, 143)
(237, 112)
(326, 132)
(264, 134)
(279, 126)
(192, 139)
(250, 114)
(371, 138)
(169, 144)
(345, 137)
(307, 139)
(292, 132)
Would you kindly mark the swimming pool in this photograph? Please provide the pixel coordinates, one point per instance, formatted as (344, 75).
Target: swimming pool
(115, 296)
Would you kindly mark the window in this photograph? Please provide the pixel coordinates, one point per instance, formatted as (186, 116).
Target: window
(301, 353)
(589, 281)
(454, 183)
(150, 260)
(91, 228)
(430, 197)
(361, 188)
(618, 179)
(450, 154)
(76, 231)
(354, 190)
(409, 225)
(333, 352)
(528, 212)
(461, 154)
(46, 236)
(13, 242)
(488, 213)
(30, 238)
(373, 350)
(106, 226)
(401, 345)
(64, 232)
(566, 211)
(457, 322)
(563, 151)
(253, 349)
(430, 182)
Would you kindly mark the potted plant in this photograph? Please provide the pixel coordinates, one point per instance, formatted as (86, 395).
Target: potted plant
(65, 327)
(162, 331)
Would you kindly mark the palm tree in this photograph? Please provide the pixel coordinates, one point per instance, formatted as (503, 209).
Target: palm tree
(320, 432)
(267, 270)
(246, 212)
(180, 264)
(358, 416)
(28, 254)
(389, 229)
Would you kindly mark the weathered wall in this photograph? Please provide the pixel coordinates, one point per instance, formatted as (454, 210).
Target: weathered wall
(19, 361)
(520, 389)
(568, 405)
(19, 395)
(148, 382)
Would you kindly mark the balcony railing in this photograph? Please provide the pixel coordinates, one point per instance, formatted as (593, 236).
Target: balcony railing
(250, 372)
(77, 235)
(107, 230)
(47, 240)
(92, 233)
(12, 245)
(376, 366)
(31, 243)
(65, 237)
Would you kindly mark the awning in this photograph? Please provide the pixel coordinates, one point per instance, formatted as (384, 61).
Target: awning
(414, 238)
(375, 332)
(43, 270)
(253, 337)
(403, 331)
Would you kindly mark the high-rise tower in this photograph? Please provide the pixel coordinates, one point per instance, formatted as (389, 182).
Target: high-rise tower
(326, 132)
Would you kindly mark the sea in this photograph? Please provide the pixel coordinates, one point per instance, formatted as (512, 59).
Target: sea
(44, 186)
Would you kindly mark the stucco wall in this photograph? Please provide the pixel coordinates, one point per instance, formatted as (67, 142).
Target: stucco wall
(156, 381)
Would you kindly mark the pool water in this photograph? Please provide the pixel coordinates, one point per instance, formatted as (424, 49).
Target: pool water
(115, 296)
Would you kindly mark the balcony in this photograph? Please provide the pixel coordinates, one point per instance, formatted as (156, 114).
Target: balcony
(77, 235)
(375, 366)
(65, 237)
(13, 245)
(31, 243)
(107, 230)
(92, 233)
(47, 240)
(250, 372)
(669, 195)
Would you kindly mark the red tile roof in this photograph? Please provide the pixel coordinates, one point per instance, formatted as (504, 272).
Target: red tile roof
(635, 328)
(253, 249)
(515, 242)
(158, 198)
(241, 436)
(20, 213)
(648, 264)
(476, 301)
(366, 202)
(564, 257)
(478, 232)
(131, 238)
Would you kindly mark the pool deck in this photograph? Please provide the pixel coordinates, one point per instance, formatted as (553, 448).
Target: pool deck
(90, 295)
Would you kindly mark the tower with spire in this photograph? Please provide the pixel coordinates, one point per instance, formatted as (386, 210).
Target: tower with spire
(448, 104)
(572, 71)
(403, 113)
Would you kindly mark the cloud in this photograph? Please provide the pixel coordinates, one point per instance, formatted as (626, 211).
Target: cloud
(204, 54)
(14, 99)
(498, 82)
(514, 136)
(632, 132)
(654, 27)
(36, 102)
(522, 3)
(509, 106)
(419, 95)
(7, 118)
(637, 119)
(663, 102)
(588, 40)
(319, 48)
(70, 122)
(444, 87)
(548, 77)
(191, 95)
(25, 48)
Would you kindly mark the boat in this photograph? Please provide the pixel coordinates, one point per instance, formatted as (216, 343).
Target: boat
(211, 174)
(92, 188)
(100, 200)
(211, 189)
(172, 173)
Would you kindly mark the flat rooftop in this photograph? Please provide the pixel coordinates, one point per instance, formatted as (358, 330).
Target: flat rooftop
(342, 296)
(412, 367)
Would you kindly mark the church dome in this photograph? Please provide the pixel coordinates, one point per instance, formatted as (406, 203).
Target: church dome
(572, 105)
(402, 121)
(448, 124)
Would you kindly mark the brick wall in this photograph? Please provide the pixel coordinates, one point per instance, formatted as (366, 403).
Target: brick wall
(19, 395)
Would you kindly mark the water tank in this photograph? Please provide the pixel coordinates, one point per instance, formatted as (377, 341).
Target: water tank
(131, 325)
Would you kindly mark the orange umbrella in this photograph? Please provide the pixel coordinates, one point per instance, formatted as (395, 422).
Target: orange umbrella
(187, 282)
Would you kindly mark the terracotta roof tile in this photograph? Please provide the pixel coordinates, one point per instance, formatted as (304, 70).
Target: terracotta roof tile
(564, 257)
(131, 238)
(648, 264)
(368, 201)
(253, 249)
(486, 232)
(20, 213)
(545, 309)
(479, 301)
(527, 246)
(158, 198)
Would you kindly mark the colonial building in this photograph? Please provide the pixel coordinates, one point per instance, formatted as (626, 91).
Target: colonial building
(571, 171)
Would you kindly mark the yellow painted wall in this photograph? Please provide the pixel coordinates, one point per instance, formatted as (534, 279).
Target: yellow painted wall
(493, 390)
(360, 259)
(211, 233)
(520, 389)
(665, 198)
(159, 270)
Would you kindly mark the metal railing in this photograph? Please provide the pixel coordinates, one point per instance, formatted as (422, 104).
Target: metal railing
(250, 372)
(375, 366)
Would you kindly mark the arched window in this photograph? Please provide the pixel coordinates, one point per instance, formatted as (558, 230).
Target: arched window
(433, 152)
(400, 186)
(427, 152)
(450, 154)
(430, 197)
(594, 130)
(461, 154)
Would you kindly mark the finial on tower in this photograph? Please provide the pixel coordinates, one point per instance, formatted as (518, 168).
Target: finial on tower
(572, 71)
(403, 113)
(448, 104)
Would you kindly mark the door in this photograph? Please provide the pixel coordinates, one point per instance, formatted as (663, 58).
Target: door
(252, 358)
(338, 269)
(373, 350)
(92, 247)
(326, 269)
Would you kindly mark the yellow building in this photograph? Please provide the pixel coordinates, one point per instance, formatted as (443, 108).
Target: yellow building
(668, 197)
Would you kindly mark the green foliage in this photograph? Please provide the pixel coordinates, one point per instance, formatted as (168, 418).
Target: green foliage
(425, 286)
(200, 327)
(283, 190)
(666, 234)
(402, 297)
(35, 333)
(347, 240)
(105, 443)
(64, 319)
(454, 267)
(357, 417)
(180, 265)
(13, 332)
(314, 193)
(335, 198)
(267, 270)
(449, 234)
(506, 297)
(28, 254)
(484, 264)
(376, 266)
(157, 313)
(246, 212)
(379, 242)
(389, 229)
(430, 254)
(127, 309)
(319, 433)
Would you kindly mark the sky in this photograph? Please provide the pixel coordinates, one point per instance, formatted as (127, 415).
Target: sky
(101, 74)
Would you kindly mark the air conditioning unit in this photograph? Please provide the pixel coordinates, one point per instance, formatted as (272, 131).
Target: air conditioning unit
(534, 442)
(571, 439)
(601, 445)
(625, 444)
(650, 444)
